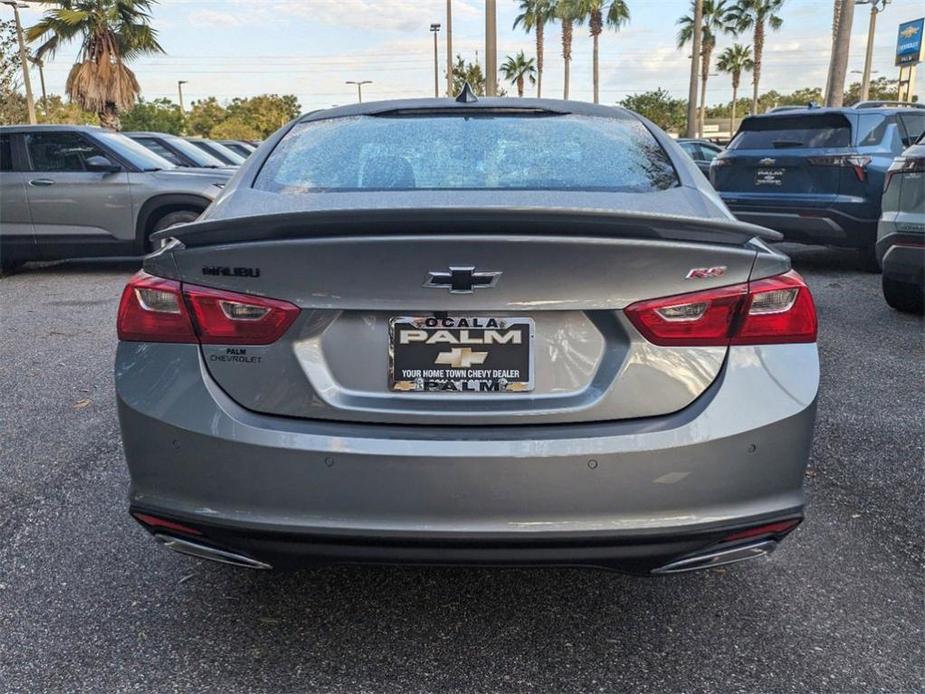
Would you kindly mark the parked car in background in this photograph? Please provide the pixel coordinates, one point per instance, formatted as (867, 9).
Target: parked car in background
(703, 152)
(245, 149)
(901, 232)
(219, 151)
(817, 174)
(425, 331)
(177, 150)
(78, 191)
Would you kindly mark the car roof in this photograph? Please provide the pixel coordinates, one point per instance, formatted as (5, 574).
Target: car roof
(147, 133)
(785, 111)
(53, 128)
(448, 105)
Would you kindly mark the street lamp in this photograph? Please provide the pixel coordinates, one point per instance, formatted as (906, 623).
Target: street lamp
(30, 103)
(435, 28)
(180, 84)
(876, 6)
(359, 87)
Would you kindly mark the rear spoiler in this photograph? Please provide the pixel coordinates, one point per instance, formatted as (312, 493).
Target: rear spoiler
(455, 220)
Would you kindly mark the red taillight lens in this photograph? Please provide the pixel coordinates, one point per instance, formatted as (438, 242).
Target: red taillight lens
(698, 319)
(228, 318)
(155, 522)
(769, 311)
(777, 528)
(159, 310)
(779, 309)
(152, 310)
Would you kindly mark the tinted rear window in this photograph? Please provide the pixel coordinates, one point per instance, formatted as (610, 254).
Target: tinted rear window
(6, 153)
(464, 152)
(807, 132)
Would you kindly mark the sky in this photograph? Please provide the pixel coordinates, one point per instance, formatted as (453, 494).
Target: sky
(229, 48)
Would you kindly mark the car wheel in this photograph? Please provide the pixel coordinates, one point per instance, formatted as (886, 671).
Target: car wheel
(171, 219)
(903, 296)
(868, 260)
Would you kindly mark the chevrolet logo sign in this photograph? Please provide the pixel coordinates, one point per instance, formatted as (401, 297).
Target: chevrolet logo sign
(461, 280)
(461, 358)
(909, 32)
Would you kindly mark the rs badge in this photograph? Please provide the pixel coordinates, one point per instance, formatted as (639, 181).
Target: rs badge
(702, 273)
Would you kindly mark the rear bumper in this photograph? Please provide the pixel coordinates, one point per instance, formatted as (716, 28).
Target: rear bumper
(902, 253)
(851, 225)
(627, 495)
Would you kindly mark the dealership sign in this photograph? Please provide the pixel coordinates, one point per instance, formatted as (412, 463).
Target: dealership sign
(909, 42)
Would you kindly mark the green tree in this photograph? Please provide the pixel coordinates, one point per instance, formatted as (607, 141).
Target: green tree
(756, 15)
(12, 103)
(659, 107)
(734, 61)
(236, 128)
(65, 112)
(881, 89)
(267, 113)
(111, 33)
(471, 73)
(159, 115)
(716, 19)
(534, 16)
(614, 13)
(517, 68)
(203, 116)
(567, 14)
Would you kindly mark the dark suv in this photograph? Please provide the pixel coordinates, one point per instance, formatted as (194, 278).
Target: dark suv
(816, 174)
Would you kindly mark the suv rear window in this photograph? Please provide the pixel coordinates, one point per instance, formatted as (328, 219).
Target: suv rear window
(821, 131)
(468, 151)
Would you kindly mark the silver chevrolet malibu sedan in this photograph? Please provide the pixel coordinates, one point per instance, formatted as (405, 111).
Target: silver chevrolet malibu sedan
(460, 331)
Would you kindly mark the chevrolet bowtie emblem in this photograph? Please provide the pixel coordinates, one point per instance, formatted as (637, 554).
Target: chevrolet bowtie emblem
(461, 358)
(461, 280)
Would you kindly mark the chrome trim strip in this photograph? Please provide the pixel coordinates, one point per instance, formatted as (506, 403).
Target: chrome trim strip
(719, 557)
(194, 549)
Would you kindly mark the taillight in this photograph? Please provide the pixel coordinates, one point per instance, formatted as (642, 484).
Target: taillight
(160, 310)
(857, 163)
(903, 165)
(152, 310)
(768, 311)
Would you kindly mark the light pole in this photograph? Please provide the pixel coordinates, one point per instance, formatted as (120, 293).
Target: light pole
(30, 103)
(41, 65)
(449, 47)
(876, 7)
(695, 70)
(491, 48)
(435, 28)
(180, 84)
(359, 87)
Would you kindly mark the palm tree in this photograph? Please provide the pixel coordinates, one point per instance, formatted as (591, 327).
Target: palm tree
(111, 33)
(616, 13)
(754, 15)
(517, 68)
(733, 61)
(566, 12)
(534, 15)
(716, 18)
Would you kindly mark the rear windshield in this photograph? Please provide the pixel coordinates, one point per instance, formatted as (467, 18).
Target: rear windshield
(468, 152)
(794, 132)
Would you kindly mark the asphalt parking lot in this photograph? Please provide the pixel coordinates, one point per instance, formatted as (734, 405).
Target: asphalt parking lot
(89, 603)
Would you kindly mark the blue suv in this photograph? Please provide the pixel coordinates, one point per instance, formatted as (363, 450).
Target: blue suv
(816, 174)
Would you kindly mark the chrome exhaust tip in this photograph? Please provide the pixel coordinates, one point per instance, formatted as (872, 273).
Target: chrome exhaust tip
(719, 557)
(194, 549)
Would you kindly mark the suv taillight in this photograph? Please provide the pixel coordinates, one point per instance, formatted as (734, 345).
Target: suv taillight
(773, 310)
(904, 165)
(857, 163)
(154, 309)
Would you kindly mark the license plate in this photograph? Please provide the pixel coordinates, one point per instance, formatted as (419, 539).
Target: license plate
(460, 354)
(769, 177)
